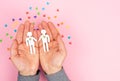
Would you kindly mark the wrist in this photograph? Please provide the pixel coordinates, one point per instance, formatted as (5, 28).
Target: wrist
(30, 73)
(52, 71)
(30, 77)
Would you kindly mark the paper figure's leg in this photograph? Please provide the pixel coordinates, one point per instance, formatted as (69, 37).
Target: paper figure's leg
(31, 49)
(44, 47)
(47, 47)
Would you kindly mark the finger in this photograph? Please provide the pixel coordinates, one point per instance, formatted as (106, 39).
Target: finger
(45, 26)
(53, 30)
(39, 34)
(36, 37)
(14, 48)
(37, 50)
(31, 28)
(19, 35)
(39, 31)
(26, 30)
(61, 44)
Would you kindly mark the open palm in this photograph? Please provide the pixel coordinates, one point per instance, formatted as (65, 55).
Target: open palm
(26, 63)
(52, 60)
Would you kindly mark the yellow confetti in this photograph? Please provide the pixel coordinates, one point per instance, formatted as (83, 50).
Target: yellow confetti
(67, 27)
(55, 16)
(61, 23)
(48, 17)
(15, 24)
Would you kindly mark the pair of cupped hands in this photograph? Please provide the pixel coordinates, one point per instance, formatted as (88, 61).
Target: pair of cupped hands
(28, 64)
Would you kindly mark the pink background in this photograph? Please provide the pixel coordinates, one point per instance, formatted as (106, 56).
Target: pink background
(94, 27)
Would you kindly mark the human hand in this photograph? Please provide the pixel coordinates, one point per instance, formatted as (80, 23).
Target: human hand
(26, 63)
(52, 60)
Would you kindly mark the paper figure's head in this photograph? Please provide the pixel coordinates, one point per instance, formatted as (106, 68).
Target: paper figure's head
(43, 31)
(29, 34)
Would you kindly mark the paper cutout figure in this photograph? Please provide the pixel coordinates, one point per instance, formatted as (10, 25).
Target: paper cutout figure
(30, 42)
(45, 40)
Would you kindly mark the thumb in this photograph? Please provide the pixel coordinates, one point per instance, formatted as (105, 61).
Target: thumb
(14, 48)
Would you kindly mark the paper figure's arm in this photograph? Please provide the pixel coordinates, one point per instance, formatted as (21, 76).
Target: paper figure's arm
(27, 42)
(48, 38)
(34, 39)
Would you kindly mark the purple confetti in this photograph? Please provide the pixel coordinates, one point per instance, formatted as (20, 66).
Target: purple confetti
(35, 16)
(20, 19)
(13, 19)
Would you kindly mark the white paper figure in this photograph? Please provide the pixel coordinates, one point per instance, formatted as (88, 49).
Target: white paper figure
(30, 42)
(45, 40)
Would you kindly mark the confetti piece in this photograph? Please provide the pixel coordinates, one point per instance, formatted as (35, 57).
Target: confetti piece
(13, 19)
(55, 16)
(8, 49)
(35, 16)
(33, 23)
(58, 24)
(30, 8)
(38, 13)
(70, 43)
(9, 58)
(62, 36)
(61, 23)
(57, 10)
(29, 17)
(27, 12)
(48, 17)
(0, 40)
(69, 37)
(37, 29)
(15, 30)
(36, 8)
(47, 3)
(11, 37)
(5, 25)
(20, 19)
(7, 34)
(67, 27)
(14, 24)
(43, 8)
(44, 15)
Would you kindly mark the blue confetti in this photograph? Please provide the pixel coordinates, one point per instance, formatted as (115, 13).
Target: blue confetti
(30, 8)
(69, 37)
(15, 30)
(43, 8)
(5, 25)
(47, 3)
